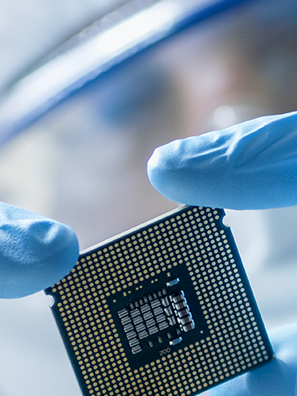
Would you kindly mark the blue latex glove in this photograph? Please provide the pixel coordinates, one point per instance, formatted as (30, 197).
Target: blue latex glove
(35, 252)
(252, 165)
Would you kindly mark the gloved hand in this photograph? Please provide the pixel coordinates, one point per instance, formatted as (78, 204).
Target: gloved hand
(35, 252)
(252, 165)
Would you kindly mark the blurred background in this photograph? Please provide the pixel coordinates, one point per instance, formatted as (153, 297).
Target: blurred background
(87, 90)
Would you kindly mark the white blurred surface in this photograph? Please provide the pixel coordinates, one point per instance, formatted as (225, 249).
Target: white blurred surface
(33, 360)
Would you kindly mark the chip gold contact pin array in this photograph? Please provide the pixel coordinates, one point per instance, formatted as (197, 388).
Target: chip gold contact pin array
(163, 309)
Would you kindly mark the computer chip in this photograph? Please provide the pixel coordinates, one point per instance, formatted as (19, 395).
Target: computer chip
(163, 309)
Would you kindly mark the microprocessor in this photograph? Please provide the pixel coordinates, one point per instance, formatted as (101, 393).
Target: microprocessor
(163, 309)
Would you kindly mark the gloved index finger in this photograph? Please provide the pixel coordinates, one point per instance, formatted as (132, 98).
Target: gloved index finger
(252, 165)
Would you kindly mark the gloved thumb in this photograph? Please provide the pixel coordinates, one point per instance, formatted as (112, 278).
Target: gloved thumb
(252, 165)
(35, 252)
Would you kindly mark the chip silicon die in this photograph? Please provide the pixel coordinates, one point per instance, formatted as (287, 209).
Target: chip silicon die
(163, 309)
